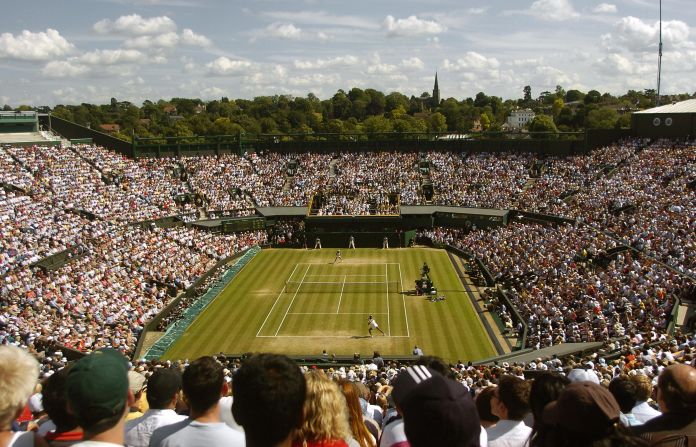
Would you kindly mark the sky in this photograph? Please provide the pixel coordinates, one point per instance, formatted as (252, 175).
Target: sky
(74, 51)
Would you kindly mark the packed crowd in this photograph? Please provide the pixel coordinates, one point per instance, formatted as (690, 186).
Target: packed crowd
(58, 198)
(638, 394)
(566, 285)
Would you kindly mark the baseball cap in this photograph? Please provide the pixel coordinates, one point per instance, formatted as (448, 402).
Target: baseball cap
(136, 381)
(583, 408)
(436, 410)
(162, 386)
(97, 386)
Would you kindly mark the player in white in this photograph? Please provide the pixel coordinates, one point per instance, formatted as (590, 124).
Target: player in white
(338, 256)
(372, 324)
(351, 242)
(385, 242)
(317, 244)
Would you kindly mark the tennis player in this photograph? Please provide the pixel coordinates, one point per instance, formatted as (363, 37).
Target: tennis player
(338, 256)
(372, 324)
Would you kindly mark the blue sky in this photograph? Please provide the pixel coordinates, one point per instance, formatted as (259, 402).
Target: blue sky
(73, 51)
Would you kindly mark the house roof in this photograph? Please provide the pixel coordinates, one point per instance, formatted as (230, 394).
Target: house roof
(688, 106)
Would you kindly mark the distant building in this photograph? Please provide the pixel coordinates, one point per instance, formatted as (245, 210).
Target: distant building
(519, 118)
(111, 128)
(436, 94)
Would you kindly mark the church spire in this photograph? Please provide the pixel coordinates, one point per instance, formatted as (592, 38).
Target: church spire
(436, 93)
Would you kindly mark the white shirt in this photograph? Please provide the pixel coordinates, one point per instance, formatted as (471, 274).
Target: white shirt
(139, 430)
(190, 433)
(644, 412)
(507, 433)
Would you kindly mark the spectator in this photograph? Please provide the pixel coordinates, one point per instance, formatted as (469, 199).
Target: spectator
(510, 402)
(67, 430)
(19, 372)
(624, 391)
(269, 397)
(163, 388)
(642, 411)
(546, 388)
(356, 419)
(676, 395)
(586, 414)
(203, 384)
(325, 415)
(436, 410)
(99, 397)
(136, 384)
(483, 407)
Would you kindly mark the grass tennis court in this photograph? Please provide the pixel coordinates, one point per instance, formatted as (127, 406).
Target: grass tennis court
(301, 302)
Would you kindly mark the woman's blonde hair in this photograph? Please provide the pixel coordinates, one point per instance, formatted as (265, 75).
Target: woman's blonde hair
(325, 411)
(19, 372)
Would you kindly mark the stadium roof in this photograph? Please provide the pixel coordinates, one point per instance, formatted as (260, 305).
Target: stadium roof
(688, 106)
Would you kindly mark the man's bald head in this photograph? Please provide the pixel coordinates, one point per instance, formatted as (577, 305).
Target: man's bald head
(677, 386)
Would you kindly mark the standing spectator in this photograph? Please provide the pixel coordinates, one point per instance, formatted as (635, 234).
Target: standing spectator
(325, 414)
(269, 396)
(437, 411)
(18, 374)
(55, 401)
(510, 402)
(163, 388)
(203, 383)
(676, 395)
(99, 397)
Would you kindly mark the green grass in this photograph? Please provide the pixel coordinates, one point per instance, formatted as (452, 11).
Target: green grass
(258, 312)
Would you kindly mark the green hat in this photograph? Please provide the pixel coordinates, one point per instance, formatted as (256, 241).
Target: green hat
(97, 386)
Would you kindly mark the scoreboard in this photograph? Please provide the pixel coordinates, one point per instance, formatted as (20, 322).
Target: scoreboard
(243, 224)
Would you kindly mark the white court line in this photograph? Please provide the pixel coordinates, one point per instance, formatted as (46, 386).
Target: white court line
(275, 302)
(386, 282)
(340, 297)
(291, 301)
(334, 313)
(311, 276)
(328, 336)
(403, 298)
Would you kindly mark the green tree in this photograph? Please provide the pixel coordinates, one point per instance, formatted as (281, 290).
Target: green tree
(601, 118)
(593, 97)
(527, 91)
(394, 100)
(574, 95)
(437, 122)
(543, 123)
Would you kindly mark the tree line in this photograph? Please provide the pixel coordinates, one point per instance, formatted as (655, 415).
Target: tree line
(358, 111)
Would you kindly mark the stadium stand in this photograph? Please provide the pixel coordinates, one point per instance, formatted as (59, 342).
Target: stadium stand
(611, 271)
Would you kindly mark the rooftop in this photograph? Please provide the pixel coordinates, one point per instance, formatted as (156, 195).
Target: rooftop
(688, 106)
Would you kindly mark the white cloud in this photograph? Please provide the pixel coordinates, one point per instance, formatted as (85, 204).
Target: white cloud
(411, 26)
(64, 69)
(273, 76)
(111, 57)
(472, 61)
(134, 24)
(337, 61)
(34, 46)
(166, 40)
(412, 63)
(382, 69)
(324, 18)
(553, 10)
(188, 37)
(283, 30)
(312, 80)
(224, 66)
(634, 34)
(605, 8)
